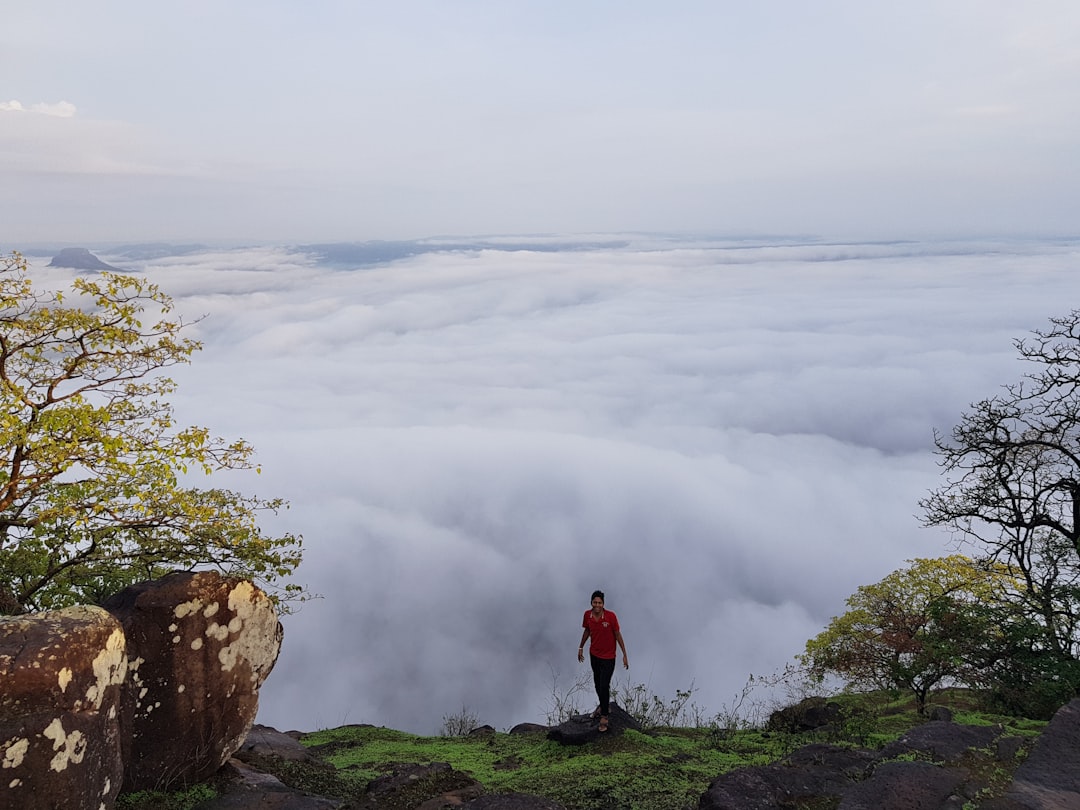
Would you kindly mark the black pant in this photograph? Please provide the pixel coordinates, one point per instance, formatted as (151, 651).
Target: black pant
(602, 670)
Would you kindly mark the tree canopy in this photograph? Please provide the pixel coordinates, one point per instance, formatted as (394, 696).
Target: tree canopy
(918, 628)
(1012, 466)
(95, 478)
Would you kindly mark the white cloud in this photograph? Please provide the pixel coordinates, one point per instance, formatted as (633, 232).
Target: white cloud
(728, 438)
(60, 109)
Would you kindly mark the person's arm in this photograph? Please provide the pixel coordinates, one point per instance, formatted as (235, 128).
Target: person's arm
(622, 644)
(581, 646)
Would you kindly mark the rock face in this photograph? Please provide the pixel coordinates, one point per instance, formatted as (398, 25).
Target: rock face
(929, 768)
(60, 687)
(199, 645)
(1048, 778)
(79, 259)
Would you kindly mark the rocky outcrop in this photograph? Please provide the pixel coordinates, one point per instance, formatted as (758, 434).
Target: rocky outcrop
(813, 772)
(79, 259)
(584, 728)
(1049, 779)
(199, 646)
(809, 714)
(934, 766)
(60, 679)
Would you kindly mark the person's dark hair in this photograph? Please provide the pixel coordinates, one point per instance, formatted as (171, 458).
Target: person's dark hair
(596, 594)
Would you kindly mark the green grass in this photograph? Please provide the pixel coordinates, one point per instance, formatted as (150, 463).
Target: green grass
(663, 769)
(666, 768)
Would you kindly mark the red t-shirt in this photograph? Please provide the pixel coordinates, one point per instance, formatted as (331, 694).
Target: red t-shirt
(601, 633)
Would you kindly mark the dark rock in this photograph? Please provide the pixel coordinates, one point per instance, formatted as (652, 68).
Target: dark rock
(482, 731)
(807, 715)
(60, 690)
(245, 788)
(263, 741)
(1008, 748)
(942, 714)
(812, 773)
(79, 259)
(421, 786)
(907, 786)
(1048, 778)
(583, 728)
(529, 728)
(943, 742)
(199, 645)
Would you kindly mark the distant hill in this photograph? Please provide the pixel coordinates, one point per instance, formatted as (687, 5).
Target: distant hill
(79, 259)
(155, 250)
(381, 251)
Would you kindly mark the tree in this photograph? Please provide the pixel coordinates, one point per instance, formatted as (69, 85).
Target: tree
(94, 477)
(918, 628)
(1013, 470)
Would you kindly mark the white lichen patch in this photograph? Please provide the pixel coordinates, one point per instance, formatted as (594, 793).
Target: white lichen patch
(196, 644)
(187, 608)
(176, 639)
(14, 783)
(216, 631)
(256, 639)
(70, 748)
(211, 609)
(64, 677)
(110, 668)
(180, 689)
(245, 599)
(14, 751)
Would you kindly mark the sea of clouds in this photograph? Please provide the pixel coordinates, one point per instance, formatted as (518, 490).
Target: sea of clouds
(728, 437)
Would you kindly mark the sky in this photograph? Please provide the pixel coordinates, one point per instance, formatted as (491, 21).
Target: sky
(726, 437)
(281, 122)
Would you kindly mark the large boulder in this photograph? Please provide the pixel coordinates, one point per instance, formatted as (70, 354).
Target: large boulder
(60, 688)
(908, 786)
(1049, 778)
(584, 728)
(815, 773)
(199, 646)
(809, 714)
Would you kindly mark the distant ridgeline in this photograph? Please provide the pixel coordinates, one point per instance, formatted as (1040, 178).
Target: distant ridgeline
(359, 254)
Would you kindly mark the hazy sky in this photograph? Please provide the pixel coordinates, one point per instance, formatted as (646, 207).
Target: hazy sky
(727, 438)
(123, 120)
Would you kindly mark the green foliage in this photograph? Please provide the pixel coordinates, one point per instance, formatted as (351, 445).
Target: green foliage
(917, 628)
(650, 709)
(94, 491)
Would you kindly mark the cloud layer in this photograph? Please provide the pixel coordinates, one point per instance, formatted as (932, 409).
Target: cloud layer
(726, 437)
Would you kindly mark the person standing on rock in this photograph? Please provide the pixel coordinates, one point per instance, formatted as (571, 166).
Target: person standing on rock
(601, 628)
